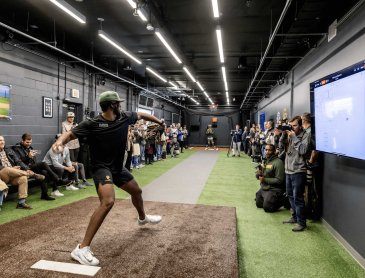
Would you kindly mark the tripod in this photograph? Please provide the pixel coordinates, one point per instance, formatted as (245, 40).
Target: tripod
(230, 146)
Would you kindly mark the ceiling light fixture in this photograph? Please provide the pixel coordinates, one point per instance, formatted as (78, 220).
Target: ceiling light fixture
(224, 74)
(156, 74)
(205, 93)
(70, 10)
(173, 85)
(103, 35)
(141, 15)
(220, 44)
(189, 74)
(200, 86)
(132, 3)
(215, 8)
(162, 39)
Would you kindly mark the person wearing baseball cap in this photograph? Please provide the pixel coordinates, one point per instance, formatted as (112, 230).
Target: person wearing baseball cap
(106, 135)
(74, 145)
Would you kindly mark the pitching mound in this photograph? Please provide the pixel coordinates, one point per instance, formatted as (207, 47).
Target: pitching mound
(191, 241)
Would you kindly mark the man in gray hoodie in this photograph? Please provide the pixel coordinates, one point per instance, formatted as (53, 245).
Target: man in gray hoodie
(297, 147)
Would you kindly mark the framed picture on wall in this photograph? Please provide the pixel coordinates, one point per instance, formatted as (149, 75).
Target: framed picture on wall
(5, 102)
(47, 107)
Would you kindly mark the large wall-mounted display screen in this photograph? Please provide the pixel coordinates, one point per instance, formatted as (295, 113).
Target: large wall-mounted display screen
(338, 106)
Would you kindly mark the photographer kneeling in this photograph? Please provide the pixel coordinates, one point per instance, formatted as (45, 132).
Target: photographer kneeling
(271, 174)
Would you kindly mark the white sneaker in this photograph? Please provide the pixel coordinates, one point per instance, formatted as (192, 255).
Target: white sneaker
(84, 255)
(152, 219)
(56, 193)
(71, 187)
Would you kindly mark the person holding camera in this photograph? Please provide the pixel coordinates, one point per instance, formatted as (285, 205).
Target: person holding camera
(236, 140)
(271, 174)
(297, 147)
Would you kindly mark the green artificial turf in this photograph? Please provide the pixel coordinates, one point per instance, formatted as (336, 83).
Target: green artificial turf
(143, 176)
(266, 247)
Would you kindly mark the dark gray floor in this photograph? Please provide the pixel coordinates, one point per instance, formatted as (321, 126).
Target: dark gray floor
(184, 182)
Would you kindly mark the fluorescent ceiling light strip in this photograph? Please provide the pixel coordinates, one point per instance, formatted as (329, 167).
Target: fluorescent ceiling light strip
(225, 86)
(141, 15)
(220, 44)
(190, 75)
(132, 3)
(70, 10)
(162, 39)
(103, 35)
(206, 94)
(200, 86)
(224, 74)
(173, 85)
(215, 8)
(227, 95)
(156, 74)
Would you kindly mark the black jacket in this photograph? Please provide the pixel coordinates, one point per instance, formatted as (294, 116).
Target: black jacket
(13, 159)
(22, 153)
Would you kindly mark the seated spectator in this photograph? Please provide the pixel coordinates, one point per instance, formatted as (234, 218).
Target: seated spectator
(271, 196)
(60, 163)
(80, 174)
(11, 173)
(3, 192)
(27, 155)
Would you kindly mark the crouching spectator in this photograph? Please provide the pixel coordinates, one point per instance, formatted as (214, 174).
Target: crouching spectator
(11, 173)
(271, 195)
(60, 163)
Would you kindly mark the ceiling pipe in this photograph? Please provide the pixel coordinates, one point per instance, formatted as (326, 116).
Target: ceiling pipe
(86, 63)
(271, 40)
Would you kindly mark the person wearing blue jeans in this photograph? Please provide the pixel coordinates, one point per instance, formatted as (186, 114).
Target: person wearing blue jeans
(295, 184)
(297, 147)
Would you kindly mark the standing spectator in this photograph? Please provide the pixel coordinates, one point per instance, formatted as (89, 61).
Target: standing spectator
(180, 137)
(74, 145)
(297, 144)
(236, 140)
(186, 136)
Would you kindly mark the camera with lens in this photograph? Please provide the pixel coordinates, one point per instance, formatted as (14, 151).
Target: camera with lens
(285, 127)
(256, 158)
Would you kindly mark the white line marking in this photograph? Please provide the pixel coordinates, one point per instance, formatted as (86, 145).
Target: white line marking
(66, 267)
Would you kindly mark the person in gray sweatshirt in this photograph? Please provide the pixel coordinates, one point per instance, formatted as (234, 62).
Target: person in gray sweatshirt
(297, 147)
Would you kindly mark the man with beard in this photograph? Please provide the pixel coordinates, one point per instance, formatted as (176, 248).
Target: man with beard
(297, 147)
(271, 197)
(106, 135)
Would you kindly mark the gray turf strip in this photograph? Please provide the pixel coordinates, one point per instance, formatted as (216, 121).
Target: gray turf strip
(183, 183)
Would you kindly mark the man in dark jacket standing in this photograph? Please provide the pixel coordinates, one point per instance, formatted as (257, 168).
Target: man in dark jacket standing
(271, 197)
